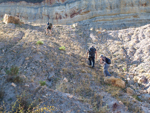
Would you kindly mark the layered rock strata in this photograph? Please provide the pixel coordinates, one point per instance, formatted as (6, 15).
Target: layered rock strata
(104, 13)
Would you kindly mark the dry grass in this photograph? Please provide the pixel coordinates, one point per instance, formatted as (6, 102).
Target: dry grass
(25, 104)
(84, 91)
(114, 91)
(98, 104)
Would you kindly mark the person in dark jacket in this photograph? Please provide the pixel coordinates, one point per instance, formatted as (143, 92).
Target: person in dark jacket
(103, 61)
(91, 53)
(49, 27)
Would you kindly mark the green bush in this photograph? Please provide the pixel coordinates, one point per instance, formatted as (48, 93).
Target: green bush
(42, 83)
(13, 74)
(62, 48)
(39, 42)
(14, 70)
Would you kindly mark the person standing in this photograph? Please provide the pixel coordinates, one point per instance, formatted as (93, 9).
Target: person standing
(91, 53)
(49, 27)
(105, 62)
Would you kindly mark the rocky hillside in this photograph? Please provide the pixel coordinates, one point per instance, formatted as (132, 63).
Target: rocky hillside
(36, 74)
(99, 13)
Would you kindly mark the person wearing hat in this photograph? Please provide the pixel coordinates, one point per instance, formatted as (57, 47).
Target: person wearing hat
(105, 62)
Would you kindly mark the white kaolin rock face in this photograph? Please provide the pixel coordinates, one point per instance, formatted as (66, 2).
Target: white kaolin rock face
(122, 12)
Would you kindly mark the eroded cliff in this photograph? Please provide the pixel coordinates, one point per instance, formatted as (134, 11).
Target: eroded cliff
(107, 14)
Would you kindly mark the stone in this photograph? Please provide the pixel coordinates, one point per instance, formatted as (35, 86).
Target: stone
(91, 28)
(26, 85)
(115, 81)
(136, 78)
(121, 103)
(23, 76)
(74, 25)
(11, 19)
(27, 58)
(130, 91)
(70, 96)
(13, 84)
(65, 79)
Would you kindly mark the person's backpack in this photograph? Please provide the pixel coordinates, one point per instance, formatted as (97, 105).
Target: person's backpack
(50, 24)
(92, 51)
(108, 61)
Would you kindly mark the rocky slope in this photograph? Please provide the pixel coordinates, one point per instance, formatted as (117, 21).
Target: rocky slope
(62, 79)
(100, 13)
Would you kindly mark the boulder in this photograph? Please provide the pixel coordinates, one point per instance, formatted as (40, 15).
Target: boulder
(130, 91)
(136, 78)
(11, 19)
(115, 81)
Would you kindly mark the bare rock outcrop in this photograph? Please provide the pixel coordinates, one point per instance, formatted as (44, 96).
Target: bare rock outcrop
(11, 19)
(115, 81)
(118, 13)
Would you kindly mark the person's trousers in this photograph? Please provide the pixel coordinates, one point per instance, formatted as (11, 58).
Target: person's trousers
(106, 73)
(91, 61)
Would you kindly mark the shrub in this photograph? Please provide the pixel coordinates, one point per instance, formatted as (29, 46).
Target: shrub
(42, 83)
(14, 70)
(62, 48)
(39, 42)
(23, 104)
(13, 74)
